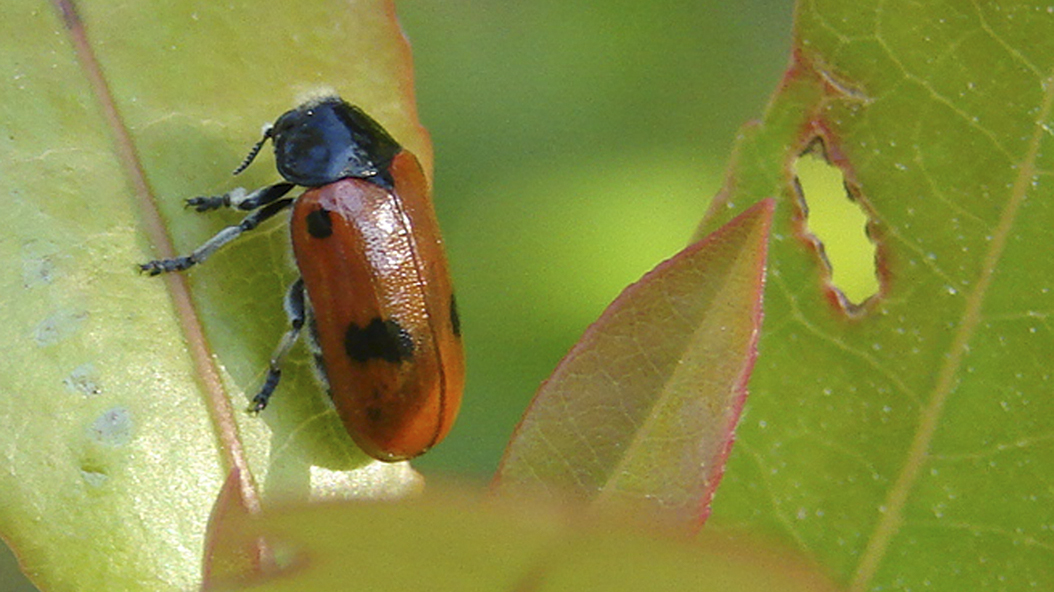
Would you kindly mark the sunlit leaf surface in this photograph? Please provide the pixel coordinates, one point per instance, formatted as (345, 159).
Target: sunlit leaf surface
(111, 461)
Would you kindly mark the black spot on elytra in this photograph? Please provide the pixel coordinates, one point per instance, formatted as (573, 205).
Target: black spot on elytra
(318, 223)
(379, 340)
(455, 318)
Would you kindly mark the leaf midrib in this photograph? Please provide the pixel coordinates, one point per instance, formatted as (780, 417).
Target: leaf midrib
(221, 413)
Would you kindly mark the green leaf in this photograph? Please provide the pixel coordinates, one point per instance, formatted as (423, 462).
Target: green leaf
(118, 419)
(452, 543)
(906, 444)
(639, 416)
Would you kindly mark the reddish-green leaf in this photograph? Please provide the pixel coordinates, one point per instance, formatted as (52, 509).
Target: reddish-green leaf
(639, 415)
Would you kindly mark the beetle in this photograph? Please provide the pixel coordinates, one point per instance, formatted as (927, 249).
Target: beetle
(374, 289)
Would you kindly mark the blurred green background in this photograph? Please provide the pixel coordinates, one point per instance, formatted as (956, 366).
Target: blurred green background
(577, 145)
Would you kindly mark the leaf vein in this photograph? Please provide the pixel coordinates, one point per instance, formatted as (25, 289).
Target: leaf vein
(892, 518)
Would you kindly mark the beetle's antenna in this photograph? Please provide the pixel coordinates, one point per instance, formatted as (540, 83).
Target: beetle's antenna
(268, 132)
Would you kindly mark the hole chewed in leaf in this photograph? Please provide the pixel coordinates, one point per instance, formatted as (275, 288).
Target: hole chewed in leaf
(837, 222)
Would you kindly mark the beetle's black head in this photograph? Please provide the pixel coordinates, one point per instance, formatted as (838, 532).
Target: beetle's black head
(326, 140)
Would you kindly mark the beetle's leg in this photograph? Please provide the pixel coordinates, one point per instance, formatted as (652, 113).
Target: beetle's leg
(218, 240)
(239, 199)
(294, 310)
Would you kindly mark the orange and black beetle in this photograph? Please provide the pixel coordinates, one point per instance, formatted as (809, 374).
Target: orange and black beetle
(374, 290)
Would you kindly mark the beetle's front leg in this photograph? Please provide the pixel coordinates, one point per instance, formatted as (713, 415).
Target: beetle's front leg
(218, 240)
(240, 199)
